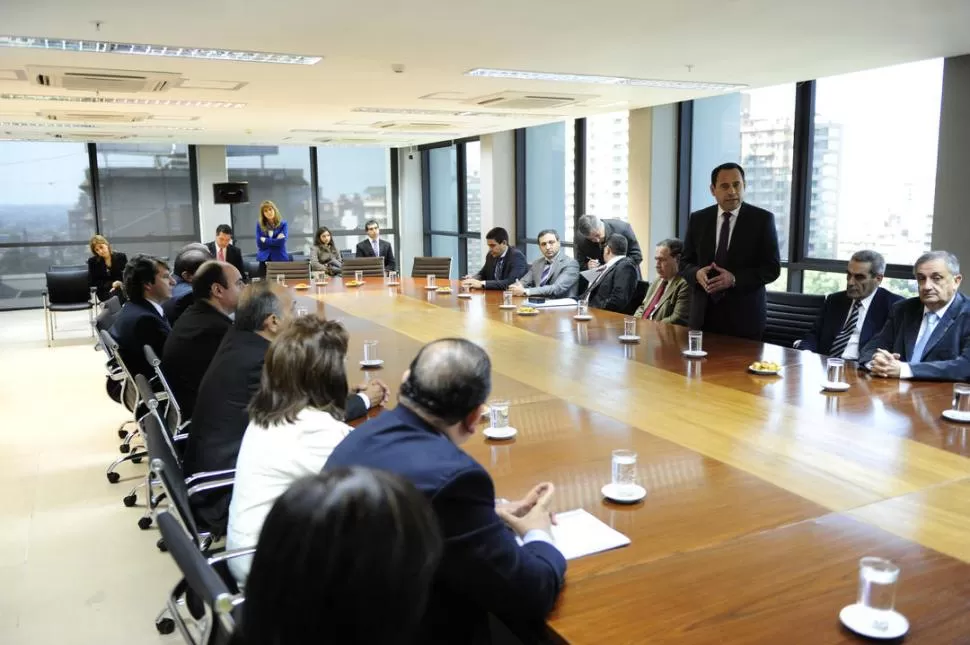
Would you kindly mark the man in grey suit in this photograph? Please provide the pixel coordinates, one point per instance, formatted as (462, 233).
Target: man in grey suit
(554, 275)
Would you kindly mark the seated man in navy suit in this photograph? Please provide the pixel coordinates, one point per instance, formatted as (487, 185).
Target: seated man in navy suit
(374, 247)
(928, 337)
(850, 318)
(484, 569)
(504, 264)
(148, 283)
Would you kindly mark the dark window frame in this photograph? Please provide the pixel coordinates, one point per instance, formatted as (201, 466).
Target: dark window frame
(461, 195)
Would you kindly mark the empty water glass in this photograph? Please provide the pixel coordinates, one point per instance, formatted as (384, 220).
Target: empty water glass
(961, 397)
(695, 341)
(877, 589)
(835, 370)
(498, 414)
(392, 277)
(358, 276)
(280, 279)
(629, 327)
(432, 281)
(464, 289)
(582, 308)
(624, 468)
(507, 298)
(370, 351)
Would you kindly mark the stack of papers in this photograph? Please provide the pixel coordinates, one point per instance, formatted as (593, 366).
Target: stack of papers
(558, 302)
(578, 533)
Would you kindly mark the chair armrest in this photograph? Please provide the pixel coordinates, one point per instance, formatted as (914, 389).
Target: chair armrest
(229, 555)
(210, 485)
(191, 479)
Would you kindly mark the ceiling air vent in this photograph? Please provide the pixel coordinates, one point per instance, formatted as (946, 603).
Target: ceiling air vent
(412, 126)
(102, 80)
(89, 136)
(528, 100)
(95, 117)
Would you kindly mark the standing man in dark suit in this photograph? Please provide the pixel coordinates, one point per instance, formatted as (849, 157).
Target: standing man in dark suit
(199, 331)
(374, 247)
(504, 264)
(615, 285)
(926, 338)
(850, 318)
(224, 250)
(554, 275)
(483, 570)
(730, 254)
(591, 236)
(148, 283)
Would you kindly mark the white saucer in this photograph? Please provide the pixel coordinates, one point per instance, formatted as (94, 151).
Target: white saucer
(629, 339)
(829, 386)
(508, 306)
(697, 354)
(586, 317)
(956, 415)
(431, 288)
(374, 363)
(464, 295)
(867, 622)
(765, 372)
(500, 433)
(624, 494)
(393, 284)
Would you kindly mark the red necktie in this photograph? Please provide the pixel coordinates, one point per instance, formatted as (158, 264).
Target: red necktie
(222, 254)
(648, 312)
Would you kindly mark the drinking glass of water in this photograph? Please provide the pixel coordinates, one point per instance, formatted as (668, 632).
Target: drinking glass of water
(877, 589)
(358, 276)
(464, 289)
(498, 414)
(432, 281)
(835, 370)
(624, 469)
(507, 298)
(695, 341)
(392, 277)
(582, 308)
(961, 397)
(629, 326)
(280, 279)
(370, 351)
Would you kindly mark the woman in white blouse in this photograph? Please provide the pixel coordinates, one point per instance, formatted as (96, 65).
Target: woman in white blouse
(294, 425)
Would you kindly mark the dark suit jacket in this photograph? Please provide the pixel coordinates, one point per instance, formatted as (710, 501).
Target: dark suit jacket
(753, 259)
(366, 250)
(483, 568)
(586, 250)
(834, 313)
(614, 290)
(189, 350)
(101, 277)
(514, 267)
(946, 356)
(139, 324)
(182, 298)
(233, 257)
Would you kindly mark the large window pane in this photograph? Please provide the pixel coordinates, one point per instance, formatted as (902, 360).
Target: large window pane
(473, 187)
(280, 174)
(443, 182)
(445, 246)
(607, 165)
(22, 271)
(861, 121)
(146, 193)
(353, 187)
(476, 251)
(549, 172)
(756, 129)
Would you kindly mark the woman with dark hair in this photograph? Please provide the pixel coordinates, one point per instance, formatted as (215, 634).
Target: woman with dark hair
(106, 269)
(335, 549)
(326, 256)
(271, 233)
(295, 421)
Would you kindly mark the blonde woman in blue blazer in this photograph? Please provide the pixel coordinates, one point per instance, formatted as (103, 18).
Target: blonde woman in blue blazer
(271, 234)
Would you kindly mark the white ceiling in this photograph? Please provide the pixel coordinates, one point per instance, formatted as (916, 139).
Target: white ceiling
(754, 42)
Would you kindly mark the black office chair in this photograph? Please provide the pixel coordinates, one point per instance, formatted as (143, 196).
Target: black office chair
(67, 290)
(437, 266)
(172, 416)
(638, 296)
(132, 401)
(347, 253)
(372, 267)
(790, 316)
(67, 267)
(251, 264)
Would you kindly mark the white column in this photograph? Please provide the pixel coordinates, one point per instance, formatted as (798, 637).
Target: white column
(411, 214)
(211, 163)
(498, 183)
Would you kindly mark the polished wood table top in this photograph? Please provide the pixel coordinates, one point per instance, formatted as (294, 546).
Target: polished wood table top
(763, 491)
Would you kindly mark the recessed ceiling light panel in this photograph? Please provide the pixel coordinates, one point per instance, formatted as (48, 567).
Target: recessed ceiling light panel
(106, 100)
(456, 113)
(164, 51)
(602, 80)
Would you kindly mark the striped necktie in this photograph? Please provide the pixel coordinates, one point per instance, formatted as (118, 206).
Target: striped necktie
(545, 274)
(842, 340)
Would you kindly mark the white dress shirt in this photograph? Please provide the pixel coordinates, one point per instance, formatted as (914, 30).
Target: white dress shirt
(270, 459)
(732, 222)
(157, 306)
(851, 352)
(905, 371)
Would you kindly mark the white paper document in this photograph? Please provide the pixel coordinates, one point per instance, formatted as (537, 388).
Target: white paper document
(557, 302)
(578, 533)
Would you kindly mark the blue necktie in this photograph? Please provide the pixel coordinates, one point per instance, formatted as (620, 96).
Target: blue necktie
(498, 268)
(545, 274)
(931, 319)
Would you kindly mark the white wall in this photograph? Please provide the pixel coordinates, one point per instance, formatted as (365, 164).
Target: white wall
(411, 215)
(498, 183)
(211, 162)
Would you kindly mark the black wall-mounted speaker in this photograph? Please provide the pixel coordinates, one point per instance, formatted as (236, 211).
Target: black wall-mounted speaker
(231, 192)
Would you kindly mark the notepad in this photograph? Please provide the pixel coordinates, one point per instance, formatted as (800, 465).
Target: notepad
(578, 533)
(558, 302)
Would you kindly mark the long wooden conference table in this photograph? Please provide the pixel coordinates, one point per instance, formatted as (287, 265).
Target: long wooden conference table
(763, 491)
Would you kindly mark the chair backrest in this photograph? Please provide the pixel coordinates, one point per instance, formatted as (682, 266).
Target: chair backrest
(637, 299)
(67, 267)
(129, 394)
(293, 271)
(251, 264)
(790, 316)
(68, 287)
(108, 315)
(202, 580)
(372, 267)
(173, 413)
(347, 253)
(112, 304)
(425, 266)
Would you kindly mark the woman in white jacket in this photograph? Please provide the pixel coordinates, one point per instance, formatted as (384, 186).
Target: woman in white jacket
(294, 425)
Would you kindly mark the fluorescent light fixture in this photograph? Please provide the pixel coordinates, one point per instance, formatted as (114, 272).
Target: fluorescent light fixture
(601, 80)
(104, 100)
(125, 126)
(164, 51)
(458, 113)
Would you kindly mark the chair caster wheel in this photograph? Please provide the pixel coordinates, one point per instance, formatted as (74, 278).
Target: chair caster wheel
(136, 460)
(125, 448)
(129, 500)
(122, 434)
(113, 478)
(161, 546)
(165, 625)
(144, 522)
